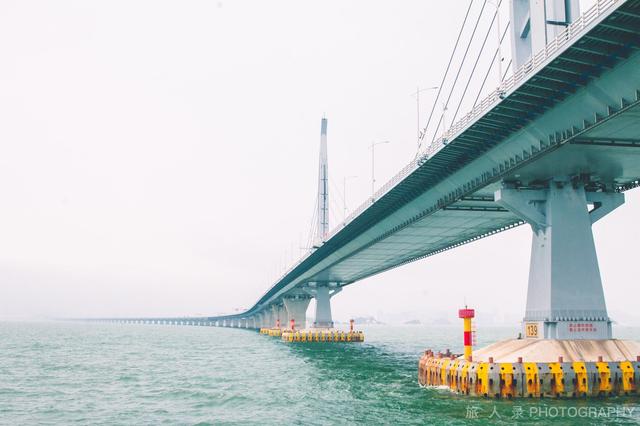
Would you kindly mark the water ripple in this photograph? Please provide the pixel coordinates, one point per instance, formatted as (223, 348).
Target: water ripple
(104, 374)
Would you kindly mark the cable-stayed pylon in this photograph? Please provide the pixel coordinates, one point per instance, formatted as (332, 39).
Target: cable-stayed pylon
(322, 228)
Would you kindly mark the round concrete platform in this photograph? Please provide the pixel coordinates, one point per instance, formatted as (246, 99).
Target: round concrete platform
(549, 350)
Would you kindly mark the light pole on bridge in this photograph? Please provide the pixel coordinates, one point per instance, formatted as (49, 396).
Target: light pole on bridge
(417, 95)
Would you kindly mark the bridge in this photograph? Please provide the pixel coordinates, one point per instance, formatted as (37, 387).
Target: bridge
(554, 146)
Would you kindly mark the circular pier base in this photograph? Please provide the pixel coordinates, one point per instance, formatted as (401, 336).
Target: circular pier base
(538, 368)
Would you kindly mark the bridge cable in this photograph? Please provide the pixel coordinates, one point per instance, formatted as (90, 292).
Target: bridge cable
(312, 230)
(491, 65)
(506, 70)
(455, 81)
(336, 190)
(444, 77)
(473, 70)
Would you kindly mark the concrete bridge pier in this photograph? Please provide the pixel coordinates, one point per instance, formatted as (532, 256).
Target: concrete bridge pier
(296, 307)
(258, 320)
(565, 299)
(268, 318)
(279, 315)
(323, 295)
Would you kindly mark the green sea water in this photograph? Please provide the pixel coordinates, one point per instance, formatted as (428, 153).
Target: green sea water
(63, 373)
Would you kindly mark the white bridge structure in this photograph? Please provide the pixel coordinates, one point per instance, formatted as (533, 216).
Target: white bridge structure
(555, 146)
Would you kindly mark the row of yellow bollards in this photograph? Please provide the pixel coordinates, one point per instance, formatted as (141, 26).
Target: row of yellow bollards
(322, 336)
(530, 379)
(314, 335)
(273, 332)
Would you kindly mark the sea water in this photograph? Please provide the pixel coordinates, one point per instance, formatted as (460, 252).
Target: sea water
(63, 373)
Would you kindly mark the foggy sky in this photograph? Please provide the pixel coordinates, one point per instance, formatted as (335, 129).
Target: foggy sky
(160, 157)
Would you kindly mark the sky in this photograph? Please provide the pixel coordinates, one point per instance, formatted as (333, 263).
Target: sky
(160, 157)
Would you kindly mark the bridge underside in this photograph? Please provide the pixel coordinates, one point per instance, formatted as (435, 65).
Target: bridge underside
(609, 154)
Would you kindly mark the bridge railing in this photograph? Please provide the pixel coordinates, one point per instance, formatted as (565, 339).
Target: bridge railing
(533, 65)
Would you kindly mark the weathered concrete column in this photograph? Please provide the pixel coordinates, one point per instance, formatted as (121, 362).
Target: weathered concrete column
(565, 299)
(297, 310)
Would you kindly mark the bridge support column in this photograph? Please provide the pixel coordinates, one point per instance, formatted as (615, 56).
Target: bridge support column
(323, 295)
(279, 316)
(267, 319)
(565, 299)
(297, 310)
(258, 320)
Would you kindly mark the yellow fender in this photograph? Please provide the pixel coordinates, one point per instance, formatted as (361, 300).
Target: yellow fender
(582, 384)
(506, 380)
(532, 381)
